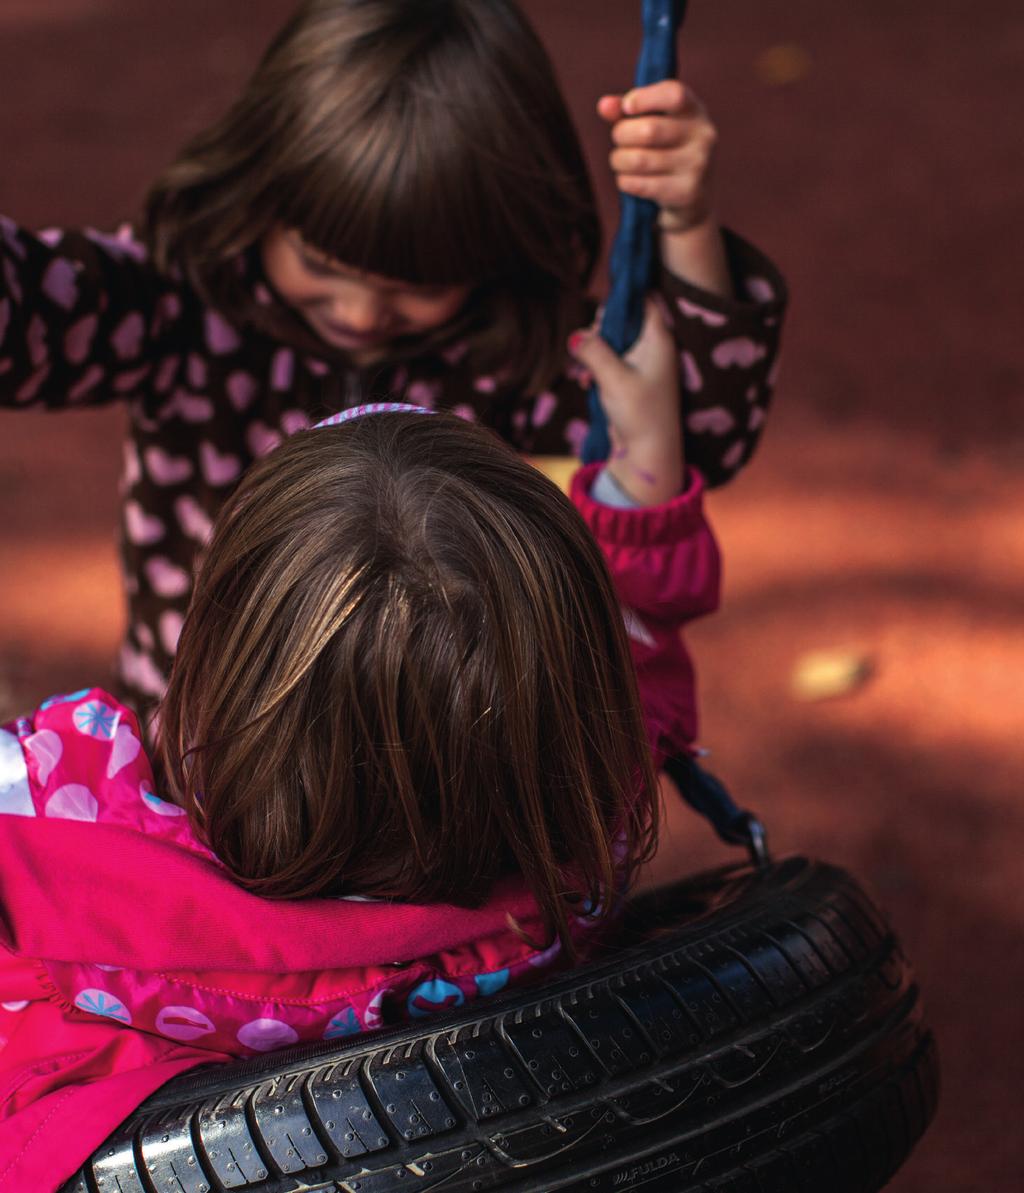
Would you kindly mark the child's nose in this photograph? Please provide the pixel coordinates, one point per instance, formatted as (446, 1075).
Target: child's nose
(360, 308)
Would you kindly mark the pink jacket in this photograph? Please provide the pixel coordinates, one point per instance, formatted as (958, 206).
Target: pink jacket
(128, 955)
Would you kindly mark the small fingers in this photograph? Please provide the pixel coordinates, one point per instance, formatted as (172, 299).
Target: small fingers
(662, 132)
(669, 96)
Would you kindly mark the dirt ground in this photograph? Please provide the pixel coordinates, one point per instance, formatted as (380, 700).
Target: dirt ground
(871, 149)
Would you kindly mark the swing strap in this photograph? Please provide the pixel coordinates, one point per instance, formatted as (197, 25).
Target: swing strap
(634, 251)
(708, 796)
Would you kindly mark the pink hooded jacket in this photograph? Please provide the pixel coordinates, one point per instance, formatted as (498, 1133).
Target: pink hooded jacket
(128, 955)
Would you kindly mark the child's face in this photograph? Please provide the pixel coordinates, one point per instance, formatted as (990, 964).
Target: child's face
(358, 312)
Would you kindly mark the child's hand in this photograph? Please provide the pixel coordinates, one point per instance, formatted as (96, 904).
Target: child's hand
(664, 150)
(640, 395)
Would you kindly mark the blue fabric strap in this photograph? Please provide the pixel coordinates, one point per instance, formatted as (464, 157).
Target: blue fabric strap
(633, 253)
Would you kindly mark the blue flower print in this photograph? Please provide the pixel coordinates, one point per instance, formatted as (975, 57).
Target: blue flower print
(63, 699)
(96, 719)
(345, 1023)
(99, 1002)
(491, 983)
(428, 998)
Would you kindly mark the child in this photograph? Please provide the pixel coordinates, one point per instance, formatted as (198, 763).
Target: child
(396, 208)
(403, 711)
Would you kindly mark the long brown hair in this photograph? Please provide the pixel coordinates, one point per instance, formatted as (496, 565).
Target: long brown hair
(404, 674)
(423, 140)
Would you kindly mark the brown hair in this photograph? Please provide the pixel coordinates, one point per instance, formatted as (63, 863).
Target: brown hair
(423, 140)
(404, 674)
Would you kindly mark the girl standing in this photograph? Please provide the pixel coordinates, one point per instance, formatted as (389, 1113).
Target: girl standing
(395, 208)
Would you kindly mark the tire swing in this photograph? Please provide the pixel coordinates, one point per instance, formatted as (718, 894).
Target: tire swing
(759, 1030)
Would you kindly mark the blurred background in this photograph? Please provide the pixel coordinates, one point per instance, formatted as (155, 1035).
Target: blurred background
(872, 149)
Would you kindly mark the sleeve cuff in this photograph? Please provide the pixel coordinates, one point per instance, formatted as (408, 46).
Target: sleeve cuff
(759, 288)
(641, 526)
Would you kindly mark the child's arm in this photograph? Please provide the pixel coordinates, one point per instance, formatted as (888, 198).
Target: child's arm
(79, 313)
(726, 299)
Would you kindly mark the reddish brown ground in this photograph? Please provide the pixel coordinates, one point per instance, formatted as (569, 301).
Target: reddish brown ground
(884, 512)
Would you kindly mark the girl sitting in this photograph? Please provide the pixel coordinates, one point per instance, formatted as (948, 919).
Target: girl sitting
(404, 761)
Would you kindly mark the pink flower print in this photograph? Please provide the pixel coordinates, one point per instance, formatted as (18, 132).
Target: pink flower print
(124, 751)
(241, 389)
(183, 1023)
(46, 748)
(15, 793)
(741, 352)
(165, 578)
(96, 719)
(128, 336)
(170, 629)
(575, 433)
(79, 337)
(193, 519)
(99, 1002)
(433, 996)
(265, 1035)
(693, 382)
(218, 469)
(221, 337)
(282, 369)
(261, 439)
(73, 802)
(142, 528)
(162, 807)
(165, 469)
(716, 421)
(543, 408)
(60, 284)
(692, 311)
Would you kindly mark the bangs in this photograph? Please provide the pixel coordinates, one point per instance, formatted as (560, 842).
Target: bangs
(426, 165)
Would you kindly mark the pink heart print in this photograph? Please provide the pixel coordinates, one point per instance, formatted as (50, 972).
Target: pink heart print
(261, 439)
(60, 284)
(693, 382)
(717, 421)
(47, 748)
(166, 578)
(142, 528)
(221, 337)
(741, 351)
(128, 335)
(79, 337)
(218, 468)
(692, 311)
(193, 519)
(165, 469)
(241, 389)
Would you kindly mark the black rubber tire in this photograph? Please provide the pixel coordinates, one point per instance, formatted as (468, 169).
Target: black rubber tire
(770, 1041)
